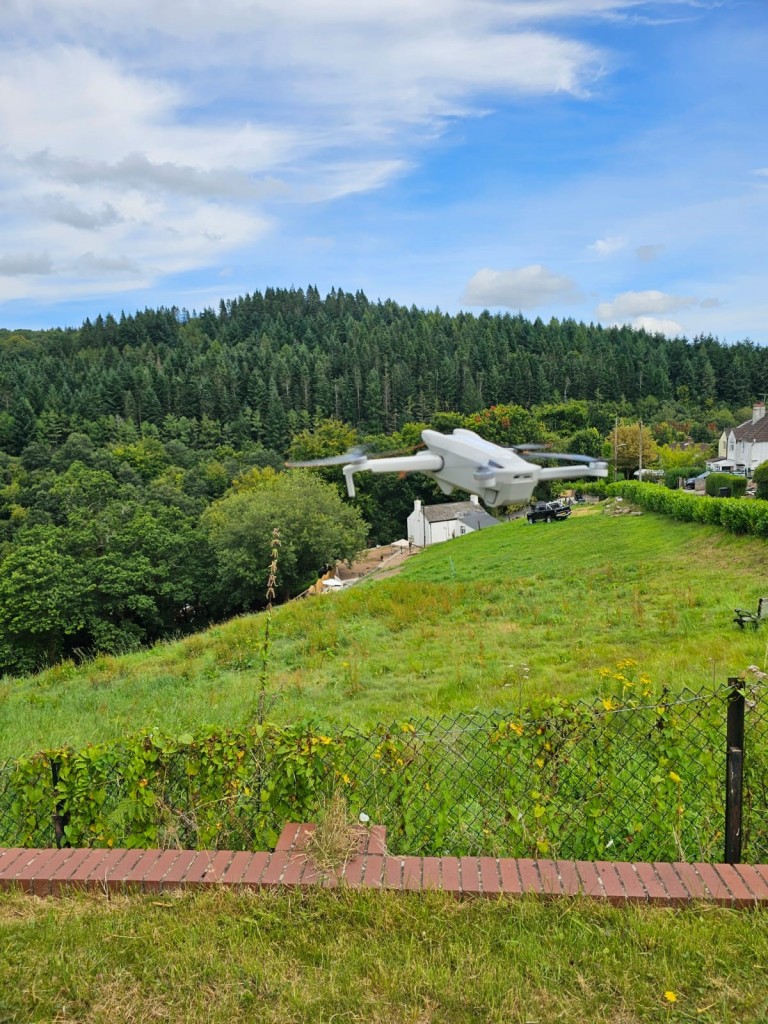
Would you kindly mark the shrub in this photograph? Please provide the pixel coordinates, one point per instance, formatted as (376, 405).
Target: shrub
(760, 476)
(736, 484)
(672, 477)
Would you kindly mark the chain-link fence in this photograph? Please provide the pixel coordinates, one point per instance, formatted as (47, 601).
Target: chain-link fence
(636, 780)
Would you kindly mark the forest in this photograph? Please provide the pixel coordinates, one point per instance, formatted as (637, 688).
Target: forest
(141, 458)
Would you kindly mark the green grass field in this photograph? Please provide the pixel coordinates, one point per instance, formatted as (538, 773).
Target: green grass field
(491, 620)
(378, 958)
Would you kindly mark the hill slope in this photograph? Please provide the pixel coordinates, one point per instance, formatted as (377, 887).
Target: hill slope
(490, 620)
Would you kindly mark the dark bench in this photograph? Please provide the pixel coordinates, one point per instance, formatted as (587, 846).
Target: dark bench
(753, 618)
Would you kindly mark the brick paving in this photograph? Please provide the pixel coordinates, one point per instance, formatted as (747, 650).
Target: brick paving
(53, 872)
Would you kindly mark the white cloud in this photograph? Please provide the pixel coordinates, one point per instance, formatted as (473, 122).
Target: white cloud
(607, 246)
(523, 288)
(174, 133)
(654, 325)
(321, 101)
(633, 304)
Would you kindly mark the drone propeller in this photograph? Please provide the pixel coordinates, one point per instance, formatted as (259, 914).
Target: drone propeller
(356, 454)
(534, 446)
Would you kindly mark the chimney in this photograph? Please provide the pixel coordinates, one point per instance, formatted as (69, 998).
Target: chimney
(758, 411)
(474, 499)
(417, 505)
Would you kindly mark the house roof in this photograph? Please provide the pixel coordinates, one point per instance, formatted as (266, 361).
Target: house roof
(448, 511)
(750, 431)
(479, 519)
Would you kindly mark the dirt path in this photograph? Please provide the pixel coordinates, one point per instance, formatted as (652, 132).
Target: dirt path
(379, 562)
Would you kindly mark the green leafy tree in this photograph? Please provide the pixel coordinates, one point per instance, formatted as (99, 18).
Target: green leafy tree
(681, 458)
(327, 437)
(44, 596)
(627, 444)
(317, 528)
(585, 442)
(506, 424)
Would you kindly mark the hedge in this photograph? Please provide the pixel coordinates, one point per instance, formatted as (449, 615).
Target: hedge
(738, 515)
(736, 484)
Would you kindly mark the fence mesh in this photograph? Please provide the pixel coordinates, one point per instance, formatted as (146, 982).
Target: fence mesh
(591, 780)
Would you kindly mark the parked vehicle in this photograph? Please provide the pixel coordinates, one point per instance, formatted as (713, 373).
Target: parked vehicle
(548, 512)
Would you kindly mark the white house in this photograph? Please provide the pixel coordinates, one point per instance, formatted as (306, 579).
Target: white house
(747, 444)
(430, 524)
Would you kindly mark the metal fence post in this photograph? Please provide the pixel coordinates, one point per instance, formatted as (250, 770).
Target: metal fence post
(734, 771)
(60, 819)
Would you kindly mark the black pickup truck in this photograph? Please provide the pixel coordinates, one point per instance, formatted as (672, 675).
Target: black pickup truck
(548, 512)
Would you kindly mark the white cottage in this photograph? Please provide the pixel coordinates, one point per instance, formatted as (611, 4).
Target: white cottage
(747, 444)
(431, 524)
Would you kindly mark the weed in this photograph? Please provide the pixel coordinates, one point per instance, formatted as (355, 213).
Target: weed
(334, 840)
(266, 647)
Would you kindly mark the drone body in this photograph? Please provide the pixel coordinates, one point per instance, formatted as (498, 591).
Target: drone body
(465, 461)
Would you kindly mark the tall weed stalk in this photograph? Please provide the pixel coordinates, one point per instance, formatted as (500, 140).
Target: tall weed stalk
(262, 704)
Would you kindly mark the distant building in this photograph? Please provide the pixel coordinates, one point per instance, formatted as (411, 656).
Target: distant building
(746, 446)
(431, 524)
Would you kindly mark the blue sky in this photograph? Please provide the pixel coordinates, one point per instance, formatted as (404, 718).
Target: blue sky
(600, 159)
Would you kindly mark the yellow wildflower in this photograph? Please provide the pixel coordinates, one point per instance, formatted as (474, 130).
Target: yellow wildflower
(671, 997)
(407, 727)
(675, 777)
(608, 704)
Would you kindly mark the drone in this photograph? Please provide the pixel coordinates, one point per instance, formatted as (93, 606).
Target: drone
(465, 461)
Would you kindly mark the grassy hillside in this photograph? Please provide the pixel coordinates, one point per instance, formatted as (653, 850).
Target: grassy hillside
(490, 620)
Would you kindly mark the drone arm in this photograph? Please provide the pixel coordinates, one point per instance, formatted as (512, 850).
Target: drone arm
(599, 469)
(422, 462)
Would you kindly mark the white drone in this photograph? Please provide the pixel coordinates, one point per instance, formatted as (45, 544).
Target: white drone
(465, 461)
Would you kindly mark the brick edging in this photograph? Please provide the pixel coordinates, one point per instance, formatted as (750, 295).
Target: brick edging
(51, 872)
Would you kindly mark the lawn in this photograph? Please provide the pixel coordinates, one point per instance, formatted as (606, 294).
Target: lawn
(379, 958)
(491, 620)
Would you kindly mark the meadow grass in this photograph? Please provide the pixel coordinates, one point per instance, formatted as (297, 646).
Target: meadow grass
(382, 958)
(495, 619)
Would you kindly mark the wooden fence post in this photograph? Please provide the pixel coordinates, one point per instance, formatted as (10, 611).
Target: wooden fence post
(734, 771)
